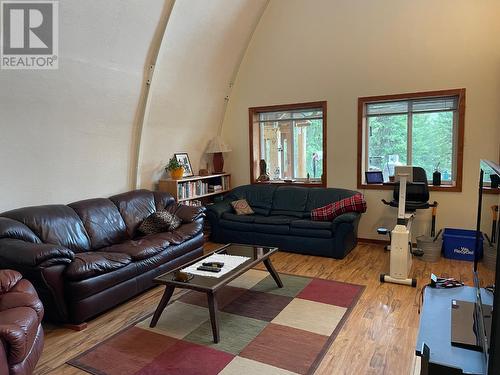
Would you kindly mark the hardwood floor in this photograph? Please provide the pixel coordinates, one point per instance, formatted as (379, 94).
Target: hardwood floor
(378, 337)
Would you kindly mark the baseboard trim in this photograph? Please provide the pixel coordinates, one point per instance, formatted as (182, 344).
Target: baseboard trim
(372, 240)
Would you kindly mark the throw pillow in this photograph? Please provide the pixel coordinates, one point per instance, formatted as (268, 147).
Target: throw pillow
(241, 207)
(160, 221)
(356, 203)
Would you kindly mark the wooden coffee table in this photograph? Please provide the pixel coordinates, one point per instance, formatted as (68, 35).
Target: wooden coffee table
(210, 285)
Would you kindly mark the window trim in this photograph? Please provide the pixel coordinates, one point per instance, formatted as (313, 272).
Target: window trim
(254, 134)
(362, 101)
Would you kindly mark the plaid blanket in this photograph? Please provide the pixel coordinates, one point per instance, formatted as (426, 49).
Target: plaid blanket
(356, 203)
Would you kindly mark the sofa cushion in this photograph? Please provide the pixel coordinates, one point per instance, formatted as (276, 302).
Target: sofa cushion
(271, 228)
(261, 211)
(14, 229)
(55, 224)
(310, 224)
(102, 221)
(91, 264)
(310, 232)
(160, 221)
(134, 206)
(275, 220)
(296, 214)
(162, 200)
(179, 235)
(290, 198)
(79, 289)
(240, 218)
(187, 214)
(237, 225)
(257, 196)
(139, 249)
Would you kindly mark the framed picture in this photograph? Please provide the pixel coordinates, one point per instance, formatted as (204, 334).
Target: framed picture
(183, 159)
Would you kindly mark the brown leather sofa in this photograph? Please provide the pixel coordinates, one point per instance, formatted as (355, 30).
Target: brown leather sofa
(86, 257)
(21, 333)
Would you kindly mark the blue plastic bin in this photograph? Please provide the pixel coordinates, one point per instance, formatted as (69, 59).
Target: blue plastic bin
(460, 244)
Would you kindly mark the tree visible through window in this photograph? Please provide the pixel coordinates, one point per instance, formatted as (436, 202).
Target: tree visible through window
(290, 139)
(419, 130)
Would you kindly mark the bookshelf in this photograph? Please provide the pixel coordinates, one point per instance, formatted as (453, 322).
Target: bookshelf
(189, 189)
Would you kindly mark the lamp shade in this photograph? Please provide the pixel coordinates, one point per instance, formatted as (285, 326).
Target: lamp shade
(216, 145)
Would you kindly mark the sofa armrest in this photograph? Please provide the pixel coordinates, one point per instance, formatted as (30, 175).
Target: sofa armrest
(188, 214)
(348, 218)
(220, 207)
(17, 253)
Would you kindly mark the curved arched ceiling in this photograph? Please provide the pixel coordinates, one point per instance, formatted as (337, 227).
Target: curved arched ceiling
(203, 45)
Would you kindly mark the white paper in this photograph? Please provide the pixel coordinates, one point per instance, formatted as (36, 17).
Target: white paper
(230, 263)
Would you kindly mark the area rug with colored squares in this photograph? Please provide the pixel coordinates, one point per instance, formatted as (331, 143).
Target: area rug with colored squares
(263, 330)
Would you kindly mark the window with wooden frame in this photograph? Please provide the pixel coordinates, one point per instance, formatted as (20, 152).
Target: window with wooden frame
(423, 129)
(291, 139)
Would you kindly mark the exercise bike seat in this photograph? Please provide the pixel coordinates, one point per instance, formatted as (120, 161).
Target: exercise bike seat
(417, 192)
(410, 205)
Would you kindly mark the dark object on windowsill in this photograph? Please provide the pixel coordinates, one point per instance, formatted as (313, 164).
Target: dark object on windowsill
(374, 177)
(263, 176)
(495, 181)
(436, 178)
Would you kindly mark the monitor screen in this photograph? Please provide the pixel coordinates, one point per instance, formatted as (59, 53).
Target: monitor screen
(374, 177)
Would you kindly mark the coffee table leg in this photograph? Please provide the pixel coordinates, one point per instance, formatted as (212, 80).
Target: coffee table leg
(169, 290)
(272, 271)
(214, 318)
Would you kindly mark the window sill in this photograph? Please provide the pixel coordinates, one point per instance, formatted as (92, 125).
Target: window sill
(294, 183)
(447, 188)
(490, 190)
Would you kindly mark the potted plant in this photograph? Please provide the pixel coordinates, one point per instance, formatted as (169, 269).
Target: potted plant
(175, 168)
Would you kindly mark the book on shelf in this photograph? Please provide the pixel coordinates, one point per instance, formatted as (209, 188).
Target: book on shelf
(192, 189)
(193, 202)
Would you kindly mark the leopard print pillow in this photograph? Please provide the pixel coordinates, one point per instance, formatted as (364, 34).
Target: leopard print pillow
(160, 221)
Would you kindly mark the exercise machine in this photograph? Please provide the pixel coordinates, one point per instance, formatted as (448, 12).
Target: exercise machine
(411, 192)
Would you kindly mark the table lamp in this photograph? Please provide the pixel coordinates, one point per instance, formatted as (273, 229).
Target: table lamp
(217, 146)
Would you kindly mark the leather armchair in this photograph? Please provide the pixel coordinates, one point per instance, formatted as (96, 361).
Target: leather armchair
(86, 257)
(21, 333)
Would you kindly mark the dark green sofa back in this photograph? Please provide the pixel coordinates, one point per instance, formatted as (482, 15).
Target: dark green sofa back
(287, 200)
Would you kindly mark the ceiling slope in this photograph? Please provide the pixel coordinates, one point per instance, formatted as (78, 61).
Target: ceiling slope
(201, 50)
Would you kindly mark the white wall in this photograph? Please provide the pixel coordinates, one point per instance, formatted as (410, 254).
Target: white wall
(344, 49)
(70, 134)
(66, 134)
(203, 46)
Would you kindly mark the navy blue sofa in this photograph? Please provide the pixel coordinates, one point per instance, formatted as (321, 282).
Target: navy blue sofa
(282, 218)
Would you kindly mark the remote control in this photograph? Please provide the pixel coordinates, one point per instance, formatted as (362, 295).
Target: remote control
(214, 264)
(209, 269)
